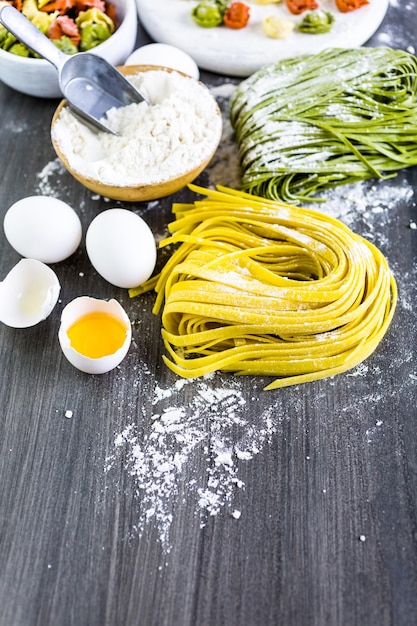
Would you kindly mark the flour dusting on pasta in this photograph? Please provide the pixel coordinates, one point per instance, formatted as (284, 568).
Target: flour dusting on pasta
(264, 288)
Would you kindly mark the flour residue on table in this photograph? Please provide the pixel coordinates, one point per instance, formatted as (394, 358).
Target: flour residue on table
(226, 429)
(215, 426)
(161, 448)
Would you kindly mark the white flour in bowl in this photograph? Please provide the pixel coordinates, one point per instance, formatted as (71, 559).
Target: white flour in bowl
(154, 143)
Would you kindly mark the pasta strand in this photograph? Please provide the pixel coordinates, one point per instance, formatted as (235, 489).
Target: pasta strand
(309, 123)
(257, 287)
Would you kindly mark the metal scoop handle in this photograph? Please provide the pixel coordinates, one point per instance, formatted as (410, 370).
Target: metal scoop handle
(24, 30)
(91, 85)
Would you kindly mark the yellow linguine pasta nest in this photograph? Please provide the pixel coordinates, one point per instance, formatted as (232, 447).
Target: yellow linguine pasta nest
(259, 287)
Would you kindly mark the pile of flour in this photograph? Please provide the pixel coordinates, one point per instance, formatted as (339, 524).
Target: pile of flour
(178, 131)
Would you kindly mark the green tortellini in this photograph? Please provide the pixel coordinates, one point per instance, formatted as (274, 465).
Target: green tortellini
(95, 27)
(65, 45)
(208, 13)
(316, 22)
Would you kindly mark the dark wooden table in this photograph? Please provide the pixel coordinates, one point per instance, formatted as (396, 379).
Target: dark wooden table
(159, 502)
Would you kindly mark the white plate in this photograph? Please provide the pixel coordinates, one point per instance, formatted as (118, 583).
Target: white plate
(242, 52)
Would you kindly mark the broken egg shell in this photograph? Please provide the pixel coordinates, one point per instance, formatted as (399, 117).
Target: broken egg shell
(77, 309)
(28, 294)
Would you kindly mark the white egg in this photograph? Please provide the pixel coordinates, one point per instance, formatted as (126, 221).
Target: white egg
(94, 321)
(121, 247)
(28, 294)
(43, 228)
(164, 55)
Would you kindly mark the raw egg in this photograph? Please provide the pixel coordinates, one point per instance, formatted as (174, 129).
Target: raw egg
(121, 247)
(28, 294)
(43, 228)
(94, 335)
(164, 55)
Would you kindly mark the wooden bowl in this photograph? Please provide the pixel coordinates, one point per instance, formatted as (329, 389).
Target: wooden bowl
(141, 192)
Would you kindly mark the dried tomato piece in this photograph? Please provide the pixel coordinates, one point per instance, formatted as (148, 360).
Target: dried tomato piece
(345, 6)
(84, 5)
(64, 25)
(111, 12)
(237, 15)
(17, 4)
(62, 6)
(299, 6)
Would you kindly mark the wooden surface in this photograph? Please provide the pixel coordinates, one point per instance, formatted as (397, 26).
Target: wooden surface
(294, 507)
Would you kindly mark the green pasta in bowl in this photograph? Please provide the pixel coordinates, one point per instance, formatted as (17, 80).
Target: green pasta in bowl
(309, 123)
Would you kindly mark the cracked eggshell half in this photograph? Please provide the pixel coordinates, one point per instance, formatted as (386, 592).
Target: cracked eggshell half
(95, 335)
(28, 294)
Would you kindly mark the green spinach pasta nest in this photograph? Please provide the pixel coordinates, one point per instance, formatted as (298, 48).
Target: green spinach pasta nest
(258, 287)
(309, 123)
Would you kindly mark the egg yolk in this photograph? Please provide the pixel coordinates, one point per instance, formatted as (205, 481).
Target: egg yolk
(97, 334)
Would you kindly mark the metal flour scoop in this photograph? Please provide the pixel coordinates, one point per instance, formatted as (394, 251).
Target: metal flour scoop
(91, 85)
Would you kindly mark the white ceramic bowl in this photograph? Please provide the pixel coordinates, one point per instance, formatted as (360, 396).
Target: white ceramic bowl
(38, 77)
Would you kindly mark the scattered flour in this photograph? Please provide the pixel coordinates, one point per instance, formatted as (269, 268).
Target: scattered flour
(201, 459)
(47, 177)
(17, 126)
(219, 428)
(367, 203)
(224, 168)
